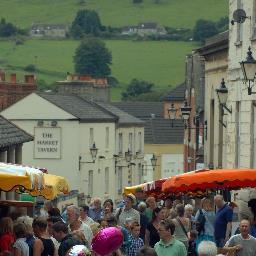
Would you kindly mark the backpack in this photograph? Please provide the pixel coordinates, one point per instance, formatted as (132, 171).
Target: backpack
(200, 222)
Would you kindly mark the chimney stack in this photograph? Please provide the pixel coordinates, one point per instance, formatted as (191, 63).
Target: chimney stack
(13, 78)
(29, 79)
(2, 76)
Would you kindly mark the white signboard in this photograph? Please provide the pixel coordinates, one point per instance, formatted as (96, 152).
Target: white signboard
(47, 142)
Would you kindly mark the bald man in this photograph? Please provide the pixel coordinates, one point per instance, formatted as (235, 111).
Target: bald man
(242, 244)
(223, 221)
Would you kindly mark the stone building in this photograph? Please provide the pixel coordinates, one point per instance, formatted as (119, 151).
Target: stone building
(85, 86)
(215, 53)
(240, 146)
(49, 30)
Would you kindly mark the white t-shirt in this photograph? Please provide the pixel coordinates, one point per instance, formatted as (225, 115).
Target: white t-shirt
(21, 244)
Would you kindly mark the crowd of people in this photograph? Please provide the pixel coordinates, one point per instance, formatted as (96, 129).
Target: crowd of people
(172, 227)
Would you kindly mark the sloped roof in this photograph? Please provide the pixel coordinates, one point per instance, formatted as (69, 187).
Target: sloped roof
(160, 131)
(141, 109)
(10, 134)
(79, 107)
(214, 44)
(123, 117)
(177, 94)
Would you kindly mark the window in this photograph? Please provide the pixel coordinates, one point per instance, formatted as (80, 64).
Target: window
(130, 142)
(119, 180)
(238, 133)
(140, 142)
(91, 139)
(107, 138)
(120, 143)
(90, 183)
(106, 180)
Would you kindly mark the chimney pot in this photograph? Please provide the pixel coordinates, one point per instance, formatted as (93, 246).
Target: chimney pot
(29, 79)
(13, 78)
(2, 75)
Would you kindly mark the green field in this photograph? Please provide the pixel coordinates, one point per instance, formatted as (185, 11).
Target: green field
(173, 13)
(160, 62)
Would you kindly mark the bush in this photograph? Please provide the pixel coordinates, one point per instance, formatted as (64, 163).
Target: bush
(30, 68)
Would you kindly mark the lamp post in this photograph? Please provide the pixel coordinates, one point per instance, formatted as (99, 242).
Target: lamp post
(185, 112)
(172, 113)
(249, 70)
(94, 152)
(153, 160)
(222, 93)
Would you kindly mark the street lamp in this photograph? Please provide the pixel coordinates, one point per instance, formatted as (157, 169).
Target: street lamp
(172, 113)
(222, 93)
(153, 161)
(249, 70)
(93, 151)
(185, 112)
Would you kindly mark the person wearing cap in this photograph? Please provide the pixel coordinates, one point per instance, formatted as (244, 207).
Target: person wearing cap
(128, 212)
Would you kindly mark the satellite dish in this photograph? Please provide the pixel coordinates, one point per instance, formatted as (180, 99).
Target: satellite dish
(239, 16)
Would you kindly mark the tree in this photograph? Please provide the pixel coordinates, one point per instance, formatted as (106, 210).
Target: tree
(86, 22)
(204, 29)
(222, 24)
(7, 29)
(136, 88)
(137, 1)
(93, 58)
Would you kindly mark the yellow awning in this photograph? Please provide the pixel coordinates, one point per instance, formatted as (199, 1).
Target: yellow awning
(54, 185)
(18, 176)
(128, 190)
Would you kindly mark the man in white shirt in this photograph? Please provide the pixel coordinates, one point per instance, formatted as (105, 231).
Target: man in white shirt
(75, 224)
(84, 215)
(242, 244)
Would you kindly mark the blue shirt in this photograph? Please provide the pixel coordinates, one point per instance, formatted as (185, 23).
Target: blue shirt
(223, 216)
(95, 215)
(136, 244)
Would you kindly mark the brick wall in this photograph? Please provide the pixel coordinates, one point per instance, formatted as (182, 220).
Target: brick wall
(12, 91)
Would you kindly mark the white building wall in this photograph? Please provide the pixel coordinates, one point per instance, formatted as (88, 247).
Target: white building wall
(104, 159)
(76, 142)
(240, 130)
(172, 164)
(137, 149)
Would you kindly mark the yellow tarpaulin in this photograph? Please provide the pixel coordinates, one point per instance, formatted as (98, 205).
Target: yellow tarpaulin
(16, 176)
(54, 185)
(128, 190)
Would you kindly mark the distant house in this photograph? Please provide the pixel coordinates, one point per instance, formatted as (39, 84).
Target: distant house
(50, 31)
(150, 28)
(129, 30)
(144, 29)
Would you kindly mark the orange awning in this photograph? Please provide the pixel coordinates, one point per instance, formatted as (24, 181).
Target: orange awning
(202, 180)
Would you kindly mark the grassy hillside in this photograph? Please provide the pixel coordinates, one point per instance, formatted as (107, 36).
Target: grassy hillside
(173, 13)
(160, 62)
